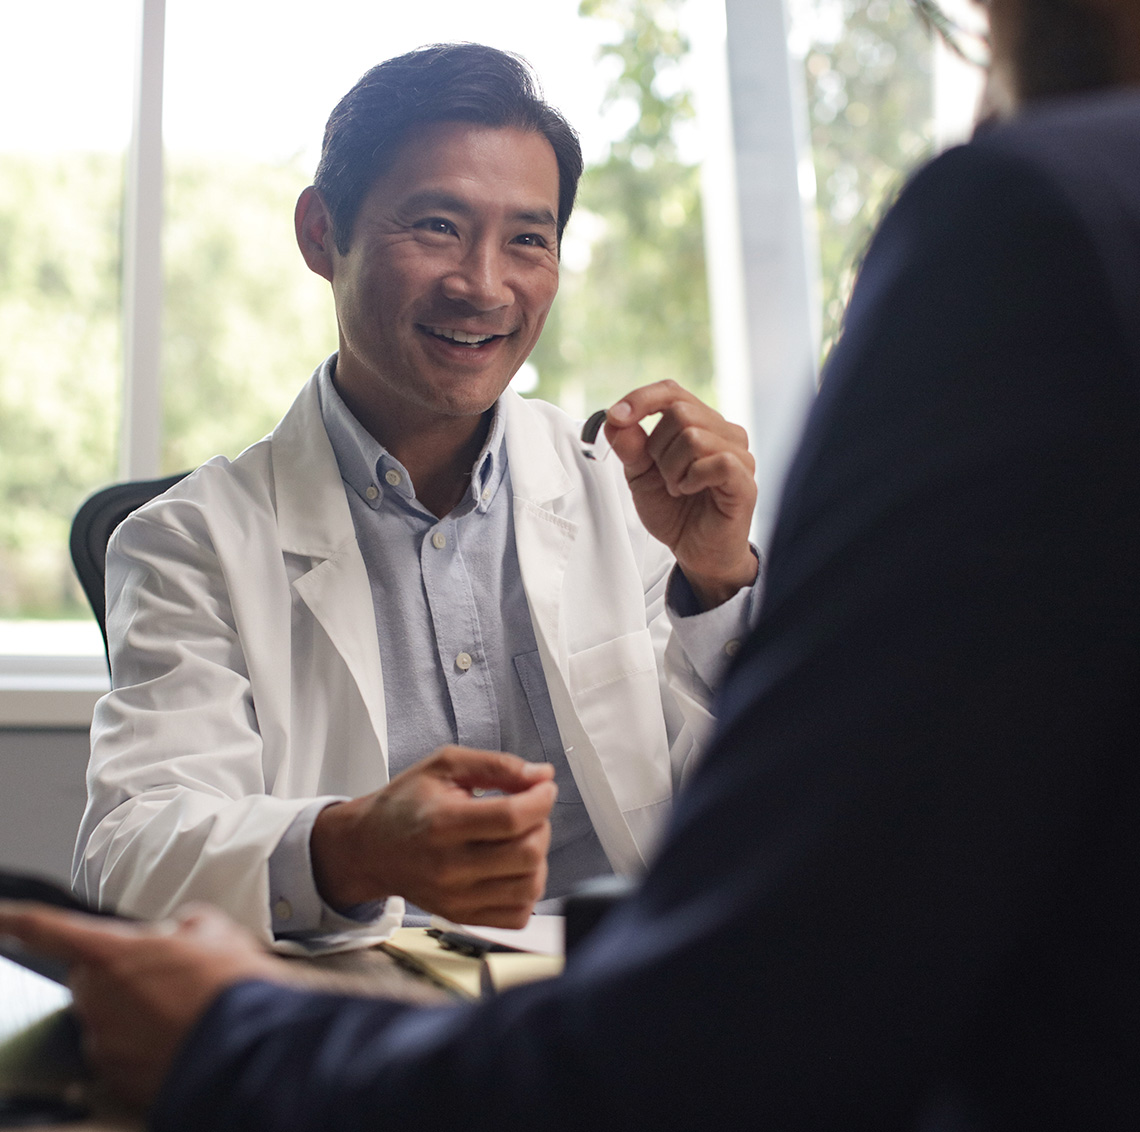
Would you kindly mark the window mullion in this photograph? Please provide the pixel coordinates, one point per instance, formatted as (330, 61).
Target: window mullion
(141, 435)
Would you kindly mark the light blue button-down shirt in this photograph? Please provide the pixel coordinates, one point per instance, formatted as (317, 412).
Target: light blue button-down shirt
(459, 659)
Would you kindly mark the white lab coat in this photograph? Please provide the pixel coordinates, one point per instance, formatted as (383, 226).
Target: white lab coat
(246, 668)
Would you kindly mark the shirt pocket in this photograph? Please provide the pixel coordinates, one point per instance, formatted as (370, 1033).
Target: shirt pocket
(528, 668)
(617, 696)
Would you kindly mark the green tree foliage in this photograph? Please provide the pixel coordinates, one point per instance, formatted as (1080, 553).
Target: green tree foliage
(638, 312)
(244, 324)
(245, 321)
(870, 101)
(59, 366)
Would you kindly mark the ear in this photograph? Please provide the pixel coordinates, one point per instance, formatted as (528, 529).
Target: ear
(314, 229)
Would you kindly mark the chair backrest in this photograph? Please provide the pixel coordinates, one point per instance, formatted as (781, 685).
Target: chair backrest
(92, 527)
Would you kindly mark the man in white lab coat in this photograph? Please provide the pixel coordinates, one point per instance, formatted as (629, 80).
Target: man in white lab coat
(320, 648)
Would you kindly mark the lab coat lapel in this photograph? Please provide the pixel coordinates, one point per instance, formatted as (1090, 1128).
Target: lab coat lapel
(544, 539)
(314, 522)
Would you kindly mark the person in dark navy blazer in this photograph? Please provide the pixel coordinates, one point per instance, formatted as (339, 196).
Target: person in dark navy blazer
(901, 891)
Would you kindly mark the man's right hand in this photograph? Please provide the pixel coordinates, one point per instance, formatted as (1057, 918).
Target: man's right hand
(426, 837)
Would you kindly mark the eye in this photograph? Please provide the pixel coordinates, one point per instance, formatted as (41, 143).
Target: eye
(437, 225)
(531, 240)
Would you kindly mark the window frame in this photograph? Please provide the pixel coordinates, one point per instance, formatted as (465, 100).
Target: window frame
(764, 357)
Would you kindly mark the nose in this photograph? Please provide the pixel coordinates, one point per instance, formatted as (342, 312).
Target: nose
(479, 279)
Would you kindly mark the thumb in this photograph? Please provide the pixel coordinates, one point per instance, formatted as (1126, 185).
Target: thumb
(631, 446)
(469, 769)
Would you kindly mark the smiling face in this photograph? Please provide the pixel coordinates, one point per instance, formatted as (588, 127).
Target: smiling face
(449, 276)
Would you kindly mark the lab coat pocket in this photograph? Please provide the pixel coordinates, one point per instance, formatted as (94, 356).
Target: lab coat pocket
(617, 696)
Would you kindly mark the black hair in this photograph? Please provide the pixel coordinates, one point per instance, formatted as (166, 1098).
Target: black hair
(450, 82)
(1064, 47)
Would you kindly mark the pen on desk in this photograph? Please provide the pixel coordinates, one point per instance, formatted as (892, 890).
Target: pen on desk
(469, 945)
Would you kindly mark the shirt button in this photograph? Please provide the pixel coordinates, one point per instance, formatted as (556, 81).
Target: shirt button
(283, 910)
(463, 661)
(486, 494)
(732, 647)
(393, 477)
(439, 540)
(371, 491)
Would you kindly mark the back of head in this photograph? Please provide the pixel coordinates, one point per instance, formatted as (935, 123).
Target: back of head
(1063, 47)
(456, 82)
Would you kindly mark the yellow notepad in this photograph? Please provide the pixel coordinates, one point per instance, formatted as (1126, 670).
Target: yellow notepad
(505, 969)
(463, 975)
(414, 948)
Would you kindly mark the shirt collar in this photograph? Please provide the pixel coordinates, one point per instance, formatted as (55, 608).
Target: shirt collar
(370, 470)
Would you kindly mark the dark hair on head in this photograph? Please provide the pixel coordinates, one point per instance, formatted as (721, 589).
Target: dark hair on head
(1063, 47)
(449, 82)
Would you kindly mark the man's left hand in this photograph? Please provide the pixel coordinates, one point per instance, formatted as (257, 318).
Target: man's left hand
(693, 483)
(139, 988)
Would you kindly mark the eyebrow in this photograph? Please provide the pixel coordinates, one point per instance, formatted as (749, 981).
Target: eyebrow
(434, 198)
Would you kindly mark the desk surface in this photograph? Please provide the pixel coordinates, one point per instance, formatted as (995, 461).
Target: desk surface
(357, 972)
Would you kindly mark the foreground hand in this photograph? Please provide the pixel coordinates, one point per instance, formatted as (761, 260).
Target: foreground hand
(139, 988)
(425, 837)
(693, 484)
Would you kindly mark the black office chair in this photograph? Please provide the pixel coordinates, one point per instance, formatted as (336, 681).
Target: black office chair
(92, 527)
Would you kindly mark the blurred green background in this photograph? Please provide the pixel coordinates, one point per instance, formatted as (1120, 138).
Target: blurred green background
(243, 327)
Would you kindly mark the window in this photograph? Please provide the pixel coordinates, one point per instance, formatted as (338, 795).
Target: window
(246, 89)
(883, 95)
(67, 89)
(243, 321)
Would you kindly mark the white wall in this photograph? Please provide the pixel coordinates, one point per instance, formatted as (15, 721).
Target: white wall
(42, 793)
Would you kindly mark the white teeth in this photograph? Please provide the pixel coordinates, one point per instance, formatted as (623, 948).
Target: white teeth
(460, 336)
